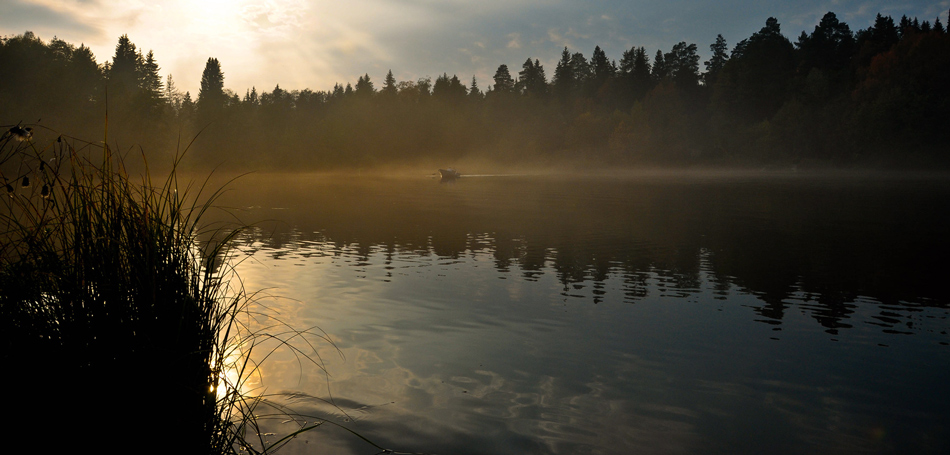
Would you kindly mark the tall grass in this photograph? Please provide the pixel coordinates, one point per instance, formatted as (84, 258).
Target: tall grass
(120, 312)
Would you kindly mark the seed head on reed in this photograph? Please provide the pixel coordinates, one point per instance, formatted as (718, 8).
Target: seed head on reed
(21, 134)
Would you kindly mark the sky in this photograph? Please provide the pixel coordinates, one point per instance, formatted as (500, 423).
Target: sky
(317, 43)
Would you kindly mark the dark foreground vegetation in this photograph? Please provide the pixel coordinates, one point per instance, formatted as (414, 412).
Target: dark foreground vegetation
(121, 327)
(112, 317)
(877, 96)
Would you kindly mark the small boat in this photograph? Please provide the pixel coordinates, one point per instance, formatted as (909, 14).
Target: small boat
(449, 174)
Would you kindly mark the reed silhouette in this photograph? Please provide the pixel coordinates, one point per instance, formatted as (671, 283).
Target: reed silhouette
(121, 316)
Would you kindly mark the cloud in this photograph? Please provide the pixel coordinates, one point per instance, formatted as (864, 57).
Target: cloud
(19, 16)
(515, 41)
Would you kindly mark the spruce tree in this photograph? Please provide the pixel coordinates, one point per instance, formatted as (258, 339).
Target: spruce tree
(474, 92)
(563, 81)
(172, 95)
(364, 87)
(601, 69)
(503, 81)
(211, 97)
(123, 73)
(580, 70)
(531, 79)
(718, 60)
(682, 63)
(150, 91)
(660, 70)
(389, 84)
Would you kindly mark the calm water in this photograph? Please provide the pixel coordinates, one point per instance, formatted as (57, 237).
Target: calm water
(639, 314)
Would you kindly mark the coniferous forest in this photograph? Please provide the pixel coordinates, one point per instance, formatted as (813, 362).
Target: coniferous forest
(832, 96)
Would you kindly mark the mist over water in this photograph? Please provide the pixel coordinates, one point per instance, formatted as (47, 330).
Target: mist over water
(512, 311)
(645, 313)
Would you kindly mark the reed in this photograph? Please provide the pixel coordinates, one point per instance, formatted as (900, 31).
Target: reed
(120, 312)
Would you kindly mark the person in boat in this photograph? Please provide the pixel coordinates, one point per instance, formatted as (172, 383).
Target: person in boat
(449, 173)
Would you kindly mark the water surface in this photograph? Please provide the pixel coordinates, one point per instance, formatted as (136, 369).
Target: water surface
(760, 313)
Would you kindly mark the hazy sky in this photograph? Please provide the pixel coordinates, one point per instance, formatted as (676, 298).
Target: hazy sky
(316, 43)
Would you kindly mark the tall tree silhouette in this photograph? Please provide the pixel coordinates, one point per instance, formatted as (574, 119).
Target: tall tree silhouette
(634, 73)
(150, 90)
(830, 47)
(503, 81)
(581, 70)
(756, 80)
(875, 40)
(449, 89)
(904, 100)
(531, 79)
(123, 73)
(211, 96)
(659, 71)
(682, 64)
(172, 95)
(58, 82)
(389, 85)
(128, 99)
(563, 81)
(601, 70)
(836, 97)
(364, 87)
(473, 91)
(720, 55)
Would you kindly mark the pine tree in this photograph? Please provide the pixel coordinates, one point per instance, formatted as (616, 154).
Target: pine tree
(503, 81)
(718, 60)
(338, 92)
(905, 27)
(531, 79)
(580, 70)
(151, 80)
(150, 87)
(364, 87)
(660, 71)
(457, 89)
(441, 87)
(424, 85)
(830, 46)
(601, 69)
(626, 62)
(173, 96)
(760, 73)
(389, 84)
(188, 109)
(473, 92)
(682, 63)
(211, 96)
(123, 73)
(634, 75)
(563, 81)
(877, 39)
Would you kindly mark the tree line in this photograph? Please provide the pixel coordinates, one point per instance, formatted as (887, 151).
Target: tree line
(879, 96)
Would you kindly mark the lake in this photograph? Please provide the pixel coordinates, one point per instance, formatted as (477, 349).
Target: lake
(756, 312)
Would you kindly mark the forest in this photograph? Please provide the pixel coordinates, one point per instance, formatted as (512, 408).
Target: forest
(875, 97)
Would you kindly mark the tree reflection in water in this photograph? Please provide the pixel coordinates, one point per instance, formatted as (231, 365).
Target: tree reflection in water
(823, 241)
(633, 314)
